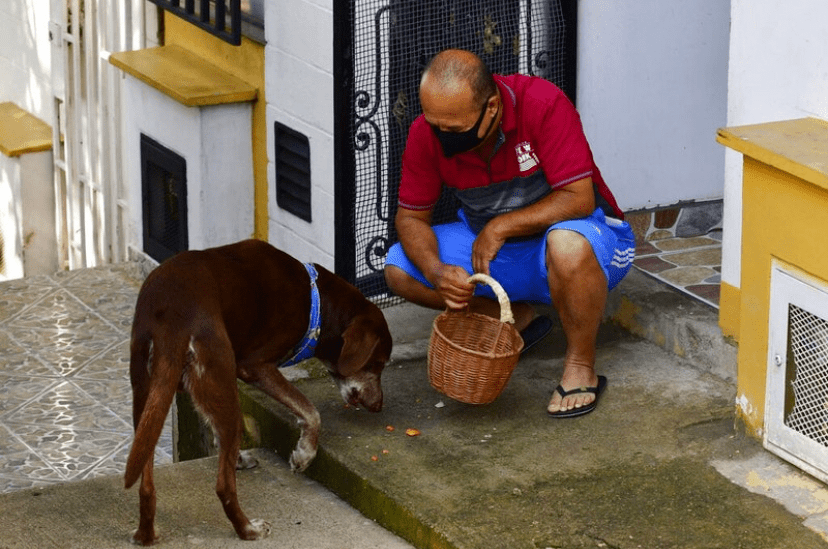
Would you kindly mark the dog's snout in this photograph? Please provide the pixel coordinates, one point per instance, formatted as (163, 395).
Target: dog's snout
(361, 394)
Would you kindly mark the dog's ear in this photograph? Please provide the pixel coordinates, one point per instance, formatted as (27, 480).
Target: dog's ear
(359, 342)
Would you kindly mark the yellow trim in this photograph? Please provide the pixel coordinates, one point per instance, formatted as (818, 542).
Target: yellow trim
(729, 304)
(784, 207)
(184, 76)
(247, 63)
(21, 132)
(793, 146)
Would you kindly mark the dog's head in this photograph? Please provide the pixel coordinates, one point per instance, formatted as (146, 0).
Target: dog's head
(366, 348)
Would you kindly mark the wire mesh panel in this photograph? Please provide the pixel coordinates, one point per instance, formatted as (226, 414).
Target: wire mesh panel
(796, 396)
(388, 45)
(806, 398)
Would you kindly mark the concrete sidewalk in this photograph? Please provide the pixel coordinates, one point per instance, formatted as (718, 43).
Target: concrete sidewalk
(99, 513)
(659, 464)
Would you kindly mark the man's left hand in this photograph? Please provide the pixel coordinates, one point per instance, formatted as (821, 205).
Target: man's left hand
(485, 248)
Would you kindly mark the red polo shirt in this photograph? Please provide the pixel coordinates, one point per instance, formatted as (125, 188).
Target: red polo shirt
(542, 147)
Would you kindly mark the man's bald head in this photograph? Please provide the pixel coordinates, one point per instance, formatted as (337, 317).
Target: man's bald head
(452, 71)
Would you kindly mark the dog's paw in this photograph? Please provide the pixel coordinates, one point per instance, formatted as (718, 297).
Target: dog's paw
(301, 457)
(144, 539)
(257, 529)
(246, 461)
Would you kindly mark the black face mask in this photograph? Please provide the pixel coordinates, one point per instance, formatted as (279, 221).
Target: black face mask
(458, 142)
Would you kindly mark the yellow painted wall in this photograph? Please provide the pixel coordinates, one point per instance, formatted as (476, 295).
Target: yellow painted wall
(784, 217)
(246, 62)
(730, 301)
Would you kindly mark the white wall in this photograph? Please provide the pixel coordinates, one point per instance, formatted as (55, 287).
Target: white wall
(25, 56)
(778, 71)
(215, 143)
(652, 90)
(299, 92)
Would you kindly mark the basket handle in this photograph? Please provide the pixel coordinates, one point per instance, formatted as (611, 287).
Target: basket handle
(502, 298)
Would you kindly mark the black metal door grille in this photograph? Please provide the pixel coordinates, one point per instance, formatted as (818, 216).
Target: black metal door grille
(164, 197)
(381, 48)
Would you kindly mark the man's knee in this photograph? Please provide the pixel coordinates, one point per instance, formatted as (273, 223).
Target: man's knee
(568, 251)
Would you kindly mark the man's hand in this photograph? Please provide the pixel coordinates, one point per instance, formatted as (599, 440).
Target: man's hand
(450, 283)
(485, 247)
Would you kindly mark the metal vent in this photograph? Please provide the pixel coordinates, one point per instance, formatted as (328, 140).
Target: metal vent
(806, 394)
(164, 193)
(293, 179)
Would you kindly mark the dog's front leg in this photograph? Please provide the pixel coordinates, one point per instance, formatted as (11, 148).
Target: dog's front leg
(267, 378)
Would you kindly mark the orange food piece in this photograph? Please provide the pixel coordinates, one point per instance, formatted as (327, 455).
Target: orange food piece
(385, 452)
(389, 428)
(412, 432)
(374, 458)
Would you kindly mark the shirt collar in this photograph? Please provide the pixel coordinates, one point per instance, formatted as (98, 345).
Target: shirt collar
(509, 99)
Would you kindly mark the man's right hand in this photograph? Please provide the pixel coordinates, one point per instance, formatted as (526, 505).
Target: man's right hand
(450, 283)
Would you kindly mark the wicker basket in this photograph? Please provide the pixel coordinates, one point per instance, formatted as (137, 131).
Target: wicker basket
(471, 356)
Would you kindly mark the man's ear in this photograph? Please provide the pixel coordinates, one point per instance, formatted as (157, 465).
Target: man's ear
(359, 343)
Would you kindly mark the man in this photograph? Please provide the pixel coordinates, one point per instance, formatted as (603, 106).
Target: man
(536, 214)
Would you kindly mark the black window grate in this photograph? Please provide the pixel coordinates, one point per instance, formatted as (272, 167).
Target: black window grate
(164, 197)
(221, 18)
(293, 179)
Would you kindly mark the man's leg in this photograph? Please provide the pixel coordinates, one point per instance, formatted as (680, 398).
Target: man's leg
(578, 288)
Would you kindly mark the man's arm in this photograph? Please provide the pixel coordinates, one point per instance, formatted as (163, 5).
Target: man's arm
(420, 245)
(573, 201)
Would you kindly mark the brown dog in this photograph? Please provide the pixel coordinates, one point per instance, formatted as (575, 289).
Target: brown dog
(205, 318)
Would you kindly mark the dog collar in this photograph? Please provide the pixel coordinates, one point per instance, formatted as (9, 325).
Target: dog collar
(305, 349)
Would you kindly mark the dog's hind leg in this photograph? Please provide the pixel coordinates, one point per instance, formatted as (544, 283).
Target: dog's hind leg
(141, 357)
(211, 381)
(267, 378)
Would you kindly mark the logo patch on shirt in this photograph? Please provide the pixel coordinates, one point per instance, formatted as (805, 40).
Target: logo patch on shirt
(526, 156)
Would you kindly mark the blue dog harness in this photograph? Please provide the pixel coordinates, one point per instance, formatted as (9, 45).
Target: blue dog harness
(305, 349)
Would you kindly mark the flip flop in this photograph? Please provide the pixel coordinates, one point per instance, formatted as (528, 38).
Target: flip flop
(538, 329)
(583, 410)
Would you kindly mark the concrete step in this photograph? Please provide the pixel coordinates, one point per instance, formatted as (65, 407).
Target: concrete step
(99, 513)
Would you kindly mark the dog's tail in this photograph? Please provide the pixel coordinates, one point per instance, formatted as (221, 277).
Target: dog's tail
(164, 368)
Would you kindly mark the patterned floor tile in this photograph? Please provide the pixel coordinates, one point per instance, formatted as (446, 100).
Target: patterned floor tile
(116, 393)
(106, 279)
(67, 350)
(15, 391)
(112, 364)
(16, 295)
(65, 405)
(117, 308)
(21, 462)
(70, 451)
(17, 359)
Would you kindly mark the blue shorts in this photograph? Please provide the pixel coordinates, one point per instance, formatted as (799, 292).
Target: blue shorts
(520, 266)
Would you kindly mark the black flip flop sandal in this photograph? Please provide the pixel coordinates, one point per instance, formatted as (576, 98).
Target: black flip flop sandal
(583, 410)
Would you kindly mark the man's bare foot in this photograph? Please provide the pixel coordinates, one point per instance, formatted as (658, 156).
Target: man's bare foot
(574, 377)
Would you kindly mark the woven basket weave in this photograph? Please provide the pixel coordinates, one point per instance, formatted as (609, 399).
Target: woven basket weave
(471, 356)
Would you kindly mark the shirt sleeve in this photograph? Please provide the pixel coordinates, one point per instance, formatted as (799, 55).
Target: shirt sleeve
(420, 183)
(563, 151)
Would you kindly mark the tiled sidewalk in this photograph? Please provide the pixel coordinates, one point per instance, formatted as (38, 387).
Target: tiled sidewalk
(65, 397)
(692, 265)
(682, 246)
